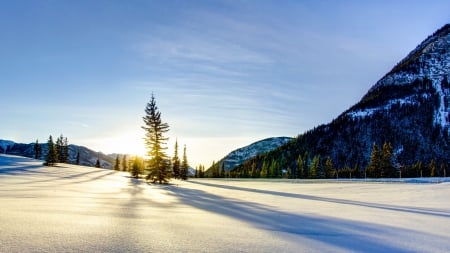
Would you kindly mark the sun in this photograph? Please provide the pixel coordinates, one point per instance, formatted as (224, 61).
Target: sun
(124, 143)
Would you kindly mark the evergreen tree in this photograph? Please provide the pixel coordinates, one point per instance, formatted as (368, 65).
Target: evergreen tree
(443, 169)
(254, 170)
(417, 169)
(117, 163)
(51, 158)
(155, 141)
(124, 163)
(214, 170)
(196, 173)
(184, 168)
(176, 162)
(432, 168)
(137, 167)
(300, 168)
(97, 164)
(65, 150)
(386, 166)
(306, 165)
(201, 172)
(62, 149)
(222, 171)
(373, 170)
(37, 150)
(330, 170)
(315, 167)
(264, 170)
(77, 162)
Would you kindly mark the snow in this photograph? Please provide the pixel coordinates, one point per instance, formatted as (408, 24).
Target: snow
(433, 57)
(82, 209)
(370, 111)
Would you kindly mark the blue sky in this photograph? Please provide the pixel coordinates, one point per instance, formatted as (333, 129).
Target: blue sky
(224, 73)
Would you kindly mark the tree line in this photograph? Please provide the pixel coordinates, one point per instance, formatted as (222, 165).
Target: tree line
(381, 165)
(56, 152)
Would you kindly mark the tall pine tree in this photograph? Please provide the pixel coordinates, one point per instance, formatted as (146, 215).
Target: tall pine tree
(315, 171)
(330, 171)
(300, 169)
(386, 166)
(37, 150)
(176, 162)
(184, 168)
(373, 170)
(155, 142)
(117, 163)
(51, 158)
(124, 163)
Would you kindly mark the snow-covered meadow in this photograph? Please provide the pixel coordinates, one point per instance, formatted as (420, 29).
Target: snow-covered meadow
(81, 209)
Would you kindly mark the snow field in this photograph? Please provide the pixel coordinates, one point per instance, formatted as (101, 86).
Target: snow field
(81, 209)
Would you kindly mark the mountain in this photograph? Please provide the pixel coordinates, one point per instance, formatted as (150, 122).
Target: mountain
(88, 157)
(408, 108)
(238, 156)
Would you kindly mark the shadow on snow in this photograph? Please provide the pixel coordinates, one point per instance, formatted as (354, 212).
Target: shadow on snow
(346, 234)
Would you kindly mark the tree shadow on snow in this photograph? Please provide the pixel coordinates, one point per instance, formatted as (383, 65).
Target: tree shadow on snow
(406, 209)
(345, 234)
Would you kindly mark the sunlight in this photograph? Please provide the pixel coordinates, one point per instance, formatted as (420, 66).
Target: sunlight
(127, 143)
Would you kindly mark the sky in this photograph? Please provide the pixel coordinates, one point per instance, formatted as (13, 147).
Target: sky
(224, 73)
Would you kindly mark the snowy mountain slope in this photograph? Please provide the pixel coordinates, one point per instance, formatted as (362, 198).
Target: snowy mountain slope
(240, 155)
(408, 107)
(429, 61)
(88, 157)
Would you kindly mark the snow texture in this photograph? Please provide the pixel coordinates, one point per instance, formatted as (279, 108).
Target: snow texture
(432, 61)
(80, 209)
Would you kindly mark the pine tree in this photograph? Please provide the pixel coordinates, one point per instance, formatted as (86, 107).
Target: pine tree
(137, 167)
(155, 129)
(222, 171)
(386, 167)
(373, 170)
(316, 168)
(264, 170)
(77, 162)
(330, 170)
(65, 150)
(254, 171)
(124, 163)
(117, 163)
(176, 162)
(300, 168)
(37, 150)
(432, 167)
(51, 158)
(184, 168)
(306, 165)
(417, 169)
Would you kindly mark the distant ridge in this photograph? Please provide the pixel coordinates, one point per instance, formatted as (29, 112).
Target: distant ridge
(88, 157)
(238, 156)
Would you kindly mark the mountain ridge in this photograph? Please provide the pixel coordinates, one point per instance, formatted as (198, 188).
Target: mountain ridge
(88, 157)
(238, 156)
(408, 107)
